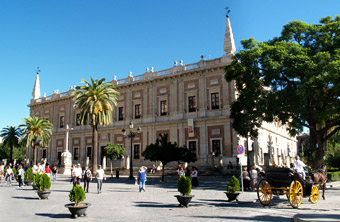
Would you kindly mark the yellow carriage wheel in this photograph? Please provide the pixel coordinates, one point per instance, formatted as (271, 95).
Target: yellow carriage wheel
(295, 193)
(314, 196)
(264, 192)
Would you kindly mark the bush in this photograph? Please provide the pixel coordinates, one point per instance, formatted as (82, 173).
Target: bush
(77, 194)
(36, 178)
(15, 174)
(44, 182)
(184, 185)
(233, 185)
(28, 175)
(333, 176)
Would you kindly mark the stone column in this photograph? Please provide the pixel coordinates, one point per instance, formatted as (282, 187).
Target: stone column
(66, 156)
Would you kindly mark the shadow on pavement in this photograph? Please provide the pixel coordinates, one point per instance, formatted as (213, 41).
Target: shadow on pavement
(54, 215)
(321, 217)
(256, 218)
(161, 205)
(27, 198)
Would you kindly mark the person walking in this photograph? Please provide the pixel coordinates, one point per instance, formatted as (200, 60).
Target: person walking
(48, 170)
(87, 177)
(141, 178)
(21, 173)
(1, 171)
(54, 173)
(194, 179)
(246, 179)
(100, 175)
(253, 175)
(181, 172)
(9, 173)
(76, 173)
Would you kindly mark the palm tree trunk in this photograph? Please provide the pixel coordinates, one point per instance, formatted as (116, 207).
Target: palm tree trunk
(11, 155)
(163, 173)
(34, 155)
(95, 148)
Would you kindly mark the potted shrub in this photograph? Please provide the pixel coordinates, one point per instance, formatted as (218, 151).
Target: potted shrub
(184, 187)
(44, 186)
(28, 176)
(232, 189)
(76, 195)
(35, 184)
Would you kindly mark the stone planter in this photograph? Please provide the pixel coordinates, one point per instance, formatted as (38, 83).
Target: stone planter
(28, 183)
(43, 194)
(34, 187)
(184, 200)
(77, 211)
(232, 196)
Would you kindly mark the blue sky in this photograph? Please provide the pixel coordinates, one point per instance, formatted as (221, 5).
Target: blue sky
(74, 39)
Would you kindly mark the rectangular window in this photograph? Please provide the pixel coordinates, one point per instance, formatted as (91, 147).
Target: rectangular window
(216, 147)
(215, 101)
(120, 113)
(59, 157)
(44, 153)
(78, 119)
(193, 147)
(75, 153)
(89, 152)
(136, 151)
(164, 108)
(192, 103)
(137, 111)
(61, 122)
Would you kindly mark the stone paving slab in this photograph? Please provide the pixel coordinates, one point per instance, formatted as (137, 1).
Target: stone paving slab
(121, 201)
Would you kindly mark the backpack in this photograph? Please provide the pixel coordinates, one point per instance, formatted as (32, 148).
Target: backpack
(87, 174)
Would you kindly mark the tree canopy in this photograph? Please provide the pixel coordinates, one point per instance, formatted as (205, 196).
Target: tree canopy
(293, 78)
(36, 131)
(96, 101)
(166, 152)
(11, 136)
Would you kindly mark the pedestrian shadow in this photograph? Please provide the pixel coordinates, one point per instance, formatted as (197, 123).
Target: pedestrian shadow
(27, 198)
(60, 216)
(161, 205)
(255, 218)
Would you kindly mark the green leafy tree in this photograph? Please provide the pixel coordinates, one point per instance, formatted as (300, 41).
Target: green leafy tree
(44, 182)
(294, 78)
(165, 151)
(96, 100)
(77, 194)
(11, 135)
(184, 185)
(114, 151)
(37, 131)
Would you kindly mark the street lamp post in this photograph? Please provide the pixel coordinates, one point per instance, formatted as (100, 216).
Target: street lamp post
(131, 135)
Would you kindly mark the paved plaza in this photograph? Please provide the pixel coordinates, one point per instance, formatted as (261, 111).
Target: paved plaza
(121, 201)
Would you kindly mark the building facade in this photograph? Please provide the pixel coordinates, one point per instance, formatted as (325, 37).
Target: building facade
(189, 102)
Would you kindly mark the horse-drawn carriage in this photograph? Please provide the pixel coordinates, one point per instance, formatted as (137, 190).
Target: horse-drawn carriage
(282, 181)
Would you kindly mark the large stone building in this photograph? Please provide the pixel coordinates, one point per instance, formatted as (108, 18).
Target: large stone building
(189, 102)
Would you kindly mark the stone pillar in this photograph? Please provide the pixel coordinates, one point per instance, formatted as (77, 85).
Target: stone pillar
(127, 162)
(104, 162)
(122, 162)
(87, 164)
(66, 156)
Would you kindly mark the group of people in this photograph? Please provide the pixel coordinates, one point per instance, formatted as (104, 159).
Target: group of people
(9, 174)
(77, 174)
(192, 174)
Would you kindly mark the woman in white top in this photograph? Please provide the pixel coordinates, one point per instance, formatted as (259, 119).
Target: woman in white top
(9, 173)
(194, 180)
(253, 175)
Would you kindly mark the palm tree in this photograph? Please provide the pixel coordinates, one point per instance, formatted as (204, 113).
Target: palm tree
(96, 100)
(11, 136)
(36, 131)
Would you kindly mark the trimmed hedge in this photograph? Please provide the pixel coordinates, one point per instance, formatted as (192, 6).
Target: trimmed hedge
(184, 185)
(333, 176)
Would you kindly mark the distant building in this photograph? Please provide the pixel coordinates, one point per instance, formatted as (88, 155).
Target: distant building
(190, 102)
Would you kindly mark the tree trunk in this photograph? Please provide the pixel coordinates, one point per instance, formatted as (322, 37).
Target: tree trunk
(163, 167)
(318, 143)
(34, 155)
(11, 154)
(111, 168)
(95, 149)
